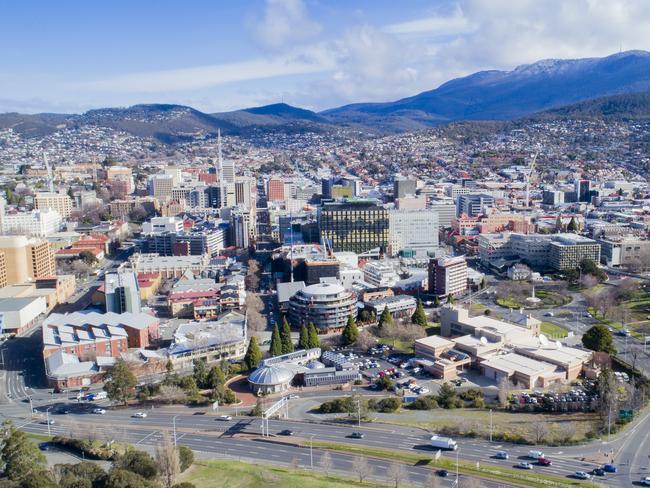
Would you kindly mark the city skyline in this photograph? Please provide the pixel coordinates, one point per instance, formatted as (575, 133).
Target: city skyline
(220, 57)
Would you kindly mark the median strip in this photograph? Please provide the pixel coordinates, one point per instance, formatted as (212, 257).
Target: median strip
(494, 473)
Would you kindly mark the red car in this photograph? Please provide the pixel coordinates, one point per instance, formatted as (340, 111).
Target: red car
(544, 461)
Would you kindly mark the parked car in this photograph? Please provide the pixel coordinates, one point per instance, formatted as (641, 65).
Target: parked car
(44, 446)
(524, 465)
(582, 475)
(293, 396)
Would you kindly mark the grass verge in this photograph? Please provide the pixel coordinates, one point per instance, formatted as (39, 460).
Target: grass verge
(554, 331)
(236, 474)
(496, 473)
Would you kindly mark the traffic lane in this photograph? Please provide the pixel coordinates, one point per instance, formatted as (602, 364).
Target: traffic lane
(275, 453)
(472, 451)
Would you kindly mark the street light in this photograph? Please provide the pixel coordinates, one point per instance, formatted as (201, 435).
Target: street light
(490, 425)
(47, 419)
(311, 451)
(457, 451)
(174, 423)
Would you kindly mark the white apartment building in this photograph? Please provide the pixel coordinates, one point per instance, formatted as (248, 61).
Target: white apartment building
(159, 225)
(413, 230)
(37, 223)
(380, 274)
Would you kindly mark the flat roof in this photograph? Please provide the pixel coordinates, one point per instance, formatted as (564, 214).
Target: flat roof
(435, 341)
(516, 363)
(564, 355)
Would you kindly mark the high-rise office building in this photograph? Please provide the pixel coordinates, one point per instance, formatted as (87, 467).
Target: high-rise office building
(447, 276)
(583, 189)
(403, 187)
(355, 225)
(473, 204)
(27, 259)
(160, 186)
(413, 232)
(122, 292)
(60, 202)
(275, 189)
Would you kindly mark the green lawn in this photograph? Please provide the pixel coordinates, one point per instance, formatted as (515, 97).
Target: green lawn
(236, 474)
(398, 345)
(553, 331)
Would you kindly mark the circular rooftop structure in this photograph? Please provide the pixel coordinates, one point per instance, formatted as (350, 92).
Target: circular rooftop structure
(321, 289)
(271, 375)
(314, 365)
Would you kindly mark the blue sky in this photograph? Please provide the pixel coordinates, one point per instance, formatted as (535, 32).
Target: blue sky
(71, 56)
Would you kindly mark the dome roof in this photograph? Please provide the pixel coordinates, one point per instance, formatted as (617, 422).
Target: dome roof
(270, 375)
(322, 289)
(315, 365)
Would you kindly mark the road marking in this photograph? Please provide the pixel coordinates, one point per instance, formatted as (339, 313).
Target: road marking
(146, 437)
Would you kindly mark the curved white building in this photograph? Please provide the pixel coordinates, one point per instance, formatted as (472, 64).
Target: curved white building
(268, 379)
(327, 305)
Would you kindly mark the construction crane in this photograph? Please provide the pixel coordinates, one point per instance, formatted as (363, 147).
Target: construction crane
(48, 168)
(528, 174)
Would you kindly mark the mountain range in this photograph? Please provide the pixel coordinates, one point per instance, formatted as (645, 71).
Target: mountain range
(612, 86)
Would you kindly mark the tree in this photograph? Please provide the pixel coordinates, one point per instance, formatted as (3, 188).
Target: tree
(396, 473)
(419, 316)
(572, 226)
(200, 373)
(303, 338)
(450, 299)
(255, 321)
(21, 456)
(138, 462)
(253, 354)
(138, 214)
(384, 383)
(599, 338)
(169, 464)
(120, 382)
(447, 396)
(313, 339)
(123, 478)
(276, 343)
(540, 431)
(87, 257)
(215, 378)
(258, 409)
(436, 301)
(326, 462)
(285, 337)
(186, 457)
(350, 332)
(361, 467)
(385, 320)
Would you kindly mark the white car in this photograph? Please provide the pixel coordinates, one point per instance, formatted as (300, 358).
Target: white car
(524, 465)
(645, 481)
(293, 396)
(99, 411)
(582, 475)
(225, 418)
(140, 415)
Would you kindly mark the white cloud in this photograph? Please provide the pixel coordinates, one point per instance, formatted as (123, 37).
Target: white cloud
(438, 25)
(285, 23)
(299, 63)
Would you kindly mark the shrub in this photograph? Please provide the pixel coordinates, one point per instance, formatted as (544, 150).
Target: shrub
(86, 447)
(138, 462)
(427, 402)
(387, 405)
(186, 456)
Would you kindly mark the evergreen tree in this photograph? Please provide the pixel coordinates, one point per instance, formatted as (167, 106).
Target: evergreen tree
(285, 337)
(276, 343)
(21, 457)
(385, 319)
(120, 382)
(215, 378)
(314, 341)
(419, 316)
(303, 340)
(573, 225)
(253, 354)
(450, 299)
(599, 338)
(350, 332)
(200, 373)
(436, 301)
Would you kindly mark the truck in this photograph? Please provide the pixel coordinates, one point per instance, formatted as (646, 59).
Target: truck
(443, 443)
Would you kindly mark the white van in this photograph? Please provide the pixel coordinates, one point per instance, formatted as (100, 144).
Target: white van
(535, 454)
